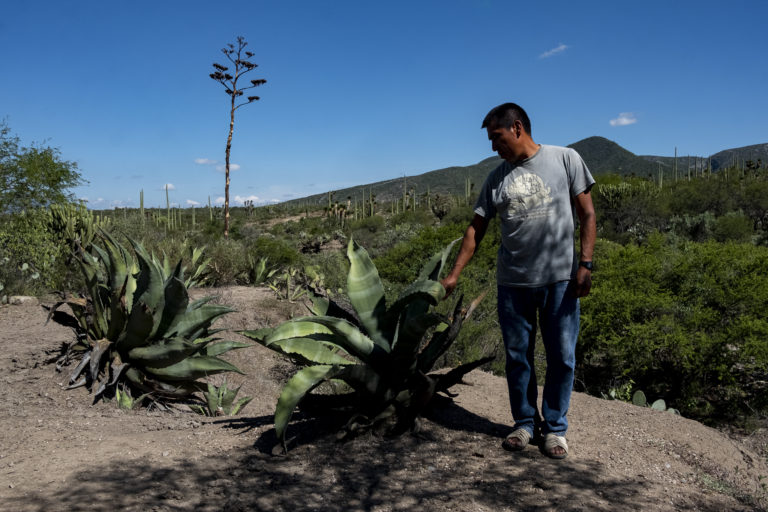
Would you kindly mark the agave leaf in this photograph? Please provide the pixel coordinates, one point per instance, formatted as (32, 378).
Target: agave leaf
(364, 379)
(441, 340)
(199, 409)
(163, 353)
(227, 397)
(348, 337)
(309, 350)
(178, 271)
(193, 368)
(89, 267)
(150, 282)
(166, 389)
(216, 349)
(304, 381)
(295, 328)
(175, 302)
(411, 332)
(99, 348)
(194, 321)
(200, 302)
(431, 271)
(446, 380)
(213, 399)
(240, 405)
(137, 329)
(117, 312)
(258, 334)
(80, 367)
(325, 306)
(416, 299)
(366, 293)
(117, 260)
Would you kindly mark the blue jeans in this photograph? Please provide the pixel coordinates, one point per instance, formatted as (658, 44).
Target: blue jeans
(558, 315)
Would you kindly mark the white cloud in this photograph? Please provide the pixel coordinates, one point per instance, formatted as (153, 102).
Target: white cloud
(205, 161)
(192, 203)
(232, 167)
(169, 186)
(218, 200)
(554, 51)
(624, 119)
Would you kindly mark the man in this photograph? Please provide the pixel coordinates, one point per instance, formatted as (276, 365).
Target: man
(535, 192)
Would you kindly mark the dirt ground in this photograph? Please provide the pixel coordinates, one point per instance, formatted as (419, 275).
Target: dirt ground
(59, 452)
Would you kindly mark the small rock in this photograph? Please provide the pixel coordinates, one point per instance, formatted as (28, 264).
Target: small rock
(165, 454)
(19, 300)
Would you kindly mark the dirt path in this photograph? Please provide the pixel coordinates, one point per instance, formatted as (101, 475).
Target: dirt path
(57, 452)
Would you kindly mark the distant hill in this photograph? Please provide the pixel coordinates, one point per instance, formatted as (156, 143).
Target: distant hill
(727, 157)
(604, 156)
(601, 155)
(450, 180)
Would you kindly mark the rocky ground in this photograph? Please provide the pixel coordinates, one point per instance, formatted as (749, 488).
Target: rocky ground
(59, 452)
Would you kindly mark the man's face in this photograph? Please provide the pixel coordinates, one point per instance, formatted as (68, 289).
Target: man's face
(506, 141)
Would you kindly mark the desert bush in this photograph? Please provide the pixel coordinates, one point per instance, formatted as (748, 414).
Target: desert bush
(697, 196)
(279, 252)
(684, 322)
(413, 217)
(698, 228)
(462, 215)
(33, 257)
(733, 227)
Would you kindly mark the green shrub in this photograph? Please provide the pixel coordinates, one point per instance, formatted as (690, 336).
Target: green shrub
(229, 262)
(26, 240)
(279, 252)
(462, 215)
(684, 322)
(733, 226)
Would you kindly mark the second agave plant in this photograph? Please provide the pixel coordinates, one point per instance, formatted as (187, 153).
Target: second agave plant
(138, 329)
(383, 353)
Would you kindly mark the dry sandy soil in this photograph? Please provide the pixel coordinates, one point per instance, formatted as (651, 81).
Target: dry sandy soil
(59, 452)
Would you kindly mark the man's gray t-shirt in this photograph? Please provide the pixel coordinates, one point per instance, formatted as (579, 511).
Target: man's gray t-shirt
(533, 199)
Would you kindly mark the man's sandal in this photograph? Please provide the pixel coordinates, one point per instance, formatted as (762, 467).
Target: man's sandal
(517, 440)
(553, 441)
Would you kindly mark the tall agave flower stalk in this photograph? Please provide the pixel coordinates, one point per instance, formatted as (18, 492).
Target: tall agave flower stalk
(138, 327)
(383, 353)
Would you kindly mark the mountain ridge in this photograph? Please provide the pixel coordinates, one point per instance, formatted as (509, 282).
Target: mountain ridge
(602, 156)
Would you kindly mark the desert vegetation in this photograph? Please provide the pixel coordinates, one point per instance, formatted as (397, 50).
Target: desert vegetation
(678, 307)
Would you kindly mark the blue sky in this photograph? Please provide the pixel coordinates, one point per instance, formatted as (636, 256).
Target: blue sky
(363, 91)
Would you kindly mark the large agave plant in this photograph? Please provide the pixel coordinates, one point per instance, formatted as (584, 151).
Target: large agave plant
(383, 353)
(138, 328)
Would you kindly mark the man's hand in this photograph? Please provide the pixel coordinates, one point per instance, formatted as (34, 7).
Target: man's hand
(449, 283)
(472, 238)
(583, 282)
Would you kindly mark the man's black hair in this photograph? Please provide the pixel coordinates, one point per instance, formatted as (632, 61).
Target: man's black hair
(505, 115)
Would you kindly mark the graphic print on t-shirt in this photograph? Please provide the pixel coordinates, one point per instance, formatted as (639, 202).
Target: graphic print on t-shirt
(526, 196)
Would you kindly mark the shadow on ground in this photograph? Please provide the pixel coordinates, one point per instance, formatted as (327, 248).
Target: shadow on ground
(454, 463)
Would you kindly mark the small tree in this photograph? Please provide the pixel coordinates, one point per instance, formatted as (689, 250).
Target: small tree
(234, 54)
(34, 176)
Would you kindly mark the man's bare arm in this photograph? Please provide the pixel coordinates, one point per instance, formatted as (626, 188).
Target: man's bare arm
(588, 232)
(472, 238)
